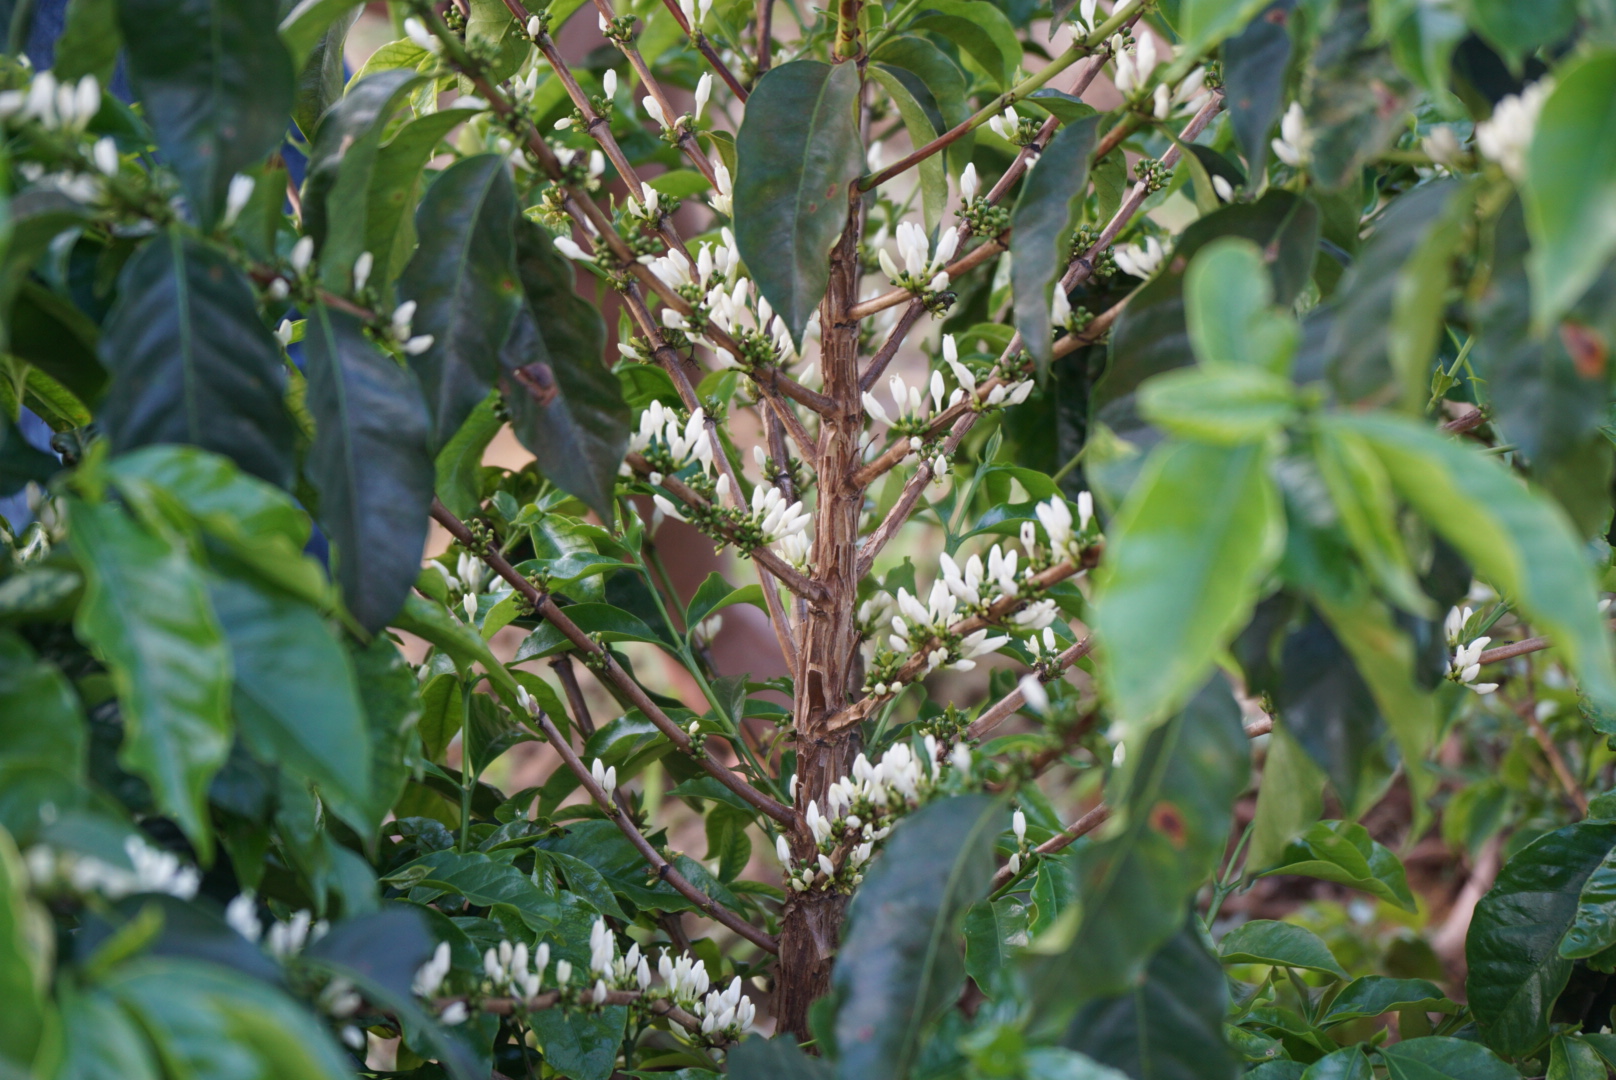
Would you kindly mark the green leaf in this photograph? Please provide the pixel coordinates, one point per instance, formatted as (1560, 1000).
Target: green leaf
(342, 169)
(757, 1058)
(942, 79)
(486, 881)
(1168, 1026)
(1279, 944)
(1254, 63)
(1341, 851)
(463, 277)
(899, 963)
(395, 185)
(611, 623)
(321, 77)
(1375, 995)
(1229, 308)
(311, 722)
(1516, 969)
(1538, 397)
(995, 932)
(1390, 307)
(432, 621)
(459, 464)
(566, 404)
(581, 1045)
(146, 615)
(1356, 101)
(1594, 928)
(933, 180)
(980, 29)
(716, 594)
(1571, 1058)
(1570, 182)
(217, 86)
(1518, 541)
(194, 1010)
(369, 462)
(392, 704)
(1437, 1057)
(41, 720)
(192, 362)
(1204, 23)
(797, 155)
(1046, 213)
(107, 1042)
(90, 41)
(303, 26)
(1367, 511)
(1517, 32)
(443, 713)
(53, 335)
(1174, 799)
(1226, 407)
(1186, 553)
(1290, 799)
(1347, 1064)
(26, 946)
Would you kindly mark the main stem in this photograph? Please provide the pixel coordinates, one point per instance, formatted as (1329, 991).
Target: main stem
(825, 664)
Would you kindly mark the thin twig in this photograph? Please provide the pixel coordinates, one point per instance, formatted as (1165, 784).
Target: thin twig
(1006, 706)
(504, 1006)
(607, 669)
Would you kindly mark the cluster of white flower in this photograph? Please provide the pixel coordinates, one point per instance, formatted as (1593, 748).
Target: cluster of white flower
(922, 269)
(57, 105)
(860, 810)
(1055, 515)
(1466, 662)
(1295, 143)
(1012, 390)
(1007, 125)
(783, 527)
(287, 939)
(723, 197)
(654, 109)
(1085, 16)
(605, 776)
(661, 431)
(1135, 67)
(1018, 827)
(1142, 259)
(916, 626)
(565, 155)
(1505, 136)
(151, 870)
(399, 327)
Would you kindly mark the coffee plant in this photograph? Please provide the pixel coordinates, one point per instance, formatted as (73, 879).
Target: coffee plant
(1168, 444)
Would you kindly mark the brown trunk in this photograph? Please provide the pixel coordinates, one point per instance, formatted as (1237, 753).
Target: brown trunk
(812, 921)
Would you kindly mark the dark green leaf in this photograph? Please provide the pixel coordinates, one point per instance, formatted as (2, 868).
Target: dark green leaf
(611, 623)
(459, 464)
(1594, 929)
(90, 41)
(758, 1058)
(395, 184)
(566, 405)
(386, 946)
(24, 964)
(322, 75)
(1574, 1058)
(486, 882)
(899, 963)
(1518, 541)
(1516, 970)
(217, 86)
(49, 332)
(146, 616)
(797, 155)
(716, 594)
(1516, 32)
(994, 933)
(1254, 63)
(1570, 180)
(192, 362)
(311, 722)
(1229, 310)
(1048, 210)
(41, 721)
(1174, 800)
(1169, 1026)
(463, 277)
(1438, 1057)
(307, 22)
(921, 131)
(1374, 995)
(1186, 553)
(107, 1042)
(370, 464)
(1264, 941)
(443, 714)
(1356, 99)
(978, 28)
(1348, 1064)
(581, 1045)
(392, 704)
(1291, 797)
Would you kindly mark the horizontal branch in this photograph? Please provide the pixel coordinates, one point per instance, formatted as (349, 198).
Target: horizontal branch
(789, 575)
(608, 670)
(1006, 706)
(664, 869)
(504, 1006)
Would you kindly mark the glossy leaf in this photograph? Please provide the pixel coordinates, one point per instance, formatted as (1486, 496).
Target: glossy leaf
(1280, 944)
(25, 962)
(1438, 1057)
(146, 615)
(1170, 1025)
(391, 699)
(1375, 995)
(1570, 182)
(1046, 213)
(192, 362)
(899, 963)
(395, 186)
(1204, 23)
(1364, 504)
(1517, 32)
(41, 720)
(1348, 1064)
(995, 931)
(217, 86)
(1512, 950)
(797, 154)
(321, 78)
(1573, 1058)
(611, 623)
(1517, 540)
(370, 464)
(1185, 555)
(1342, 851)
(463, 279)
(305, 24)
(90, 41)
(1594, 928)
(980, 29)
(1174, 798)
(1290, 799)
(933, 180)
(566, 405)
(1254, 63)
(313, 722)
